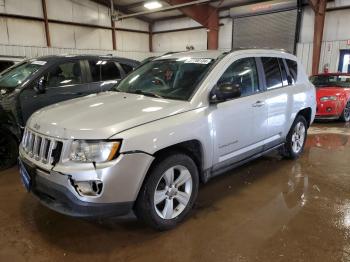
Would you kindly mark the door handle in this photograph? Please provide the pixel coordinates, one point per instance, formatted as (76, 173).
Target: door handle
(258, 104)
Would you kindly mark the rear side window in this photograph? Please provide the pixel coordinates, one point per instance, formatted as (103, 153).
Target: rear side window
(109, 71)
(272, 72)
(127, 68)
(103, 70)
(293, 69)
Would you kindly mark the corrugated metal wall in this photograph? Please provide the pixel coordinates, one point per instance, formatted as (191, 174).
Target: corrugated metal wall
(34, 51)
(329, 54)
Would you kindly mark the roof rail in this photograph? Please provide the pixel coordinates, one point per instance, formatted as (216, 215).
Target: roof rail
(255, 47)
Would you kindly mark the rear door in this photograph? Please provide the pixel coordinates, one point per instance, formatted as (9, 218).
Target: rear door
(277, 99)
(63, 81)
(103, 74)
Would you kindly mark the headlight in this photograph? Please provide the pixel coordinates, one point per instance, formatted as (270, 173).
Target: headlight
(94, 151)
(329, 98)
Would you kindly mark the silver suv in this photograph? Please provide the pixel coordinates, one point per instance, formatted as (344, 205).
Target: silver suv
(175, 121)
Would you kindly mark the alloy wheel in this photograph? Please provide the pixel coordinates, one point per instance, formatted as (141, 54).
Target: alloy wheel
(173, 192)
(298, 137)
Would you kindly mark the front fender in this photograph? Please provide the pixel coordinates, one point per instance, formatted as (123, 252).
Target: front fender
(163, 133)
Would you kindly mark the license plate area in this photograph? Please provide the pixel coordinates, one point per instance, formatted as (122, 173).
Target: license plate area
(25, 176)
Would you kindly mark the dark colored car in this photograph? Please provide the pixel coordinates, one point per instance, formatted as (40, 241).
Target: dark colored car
(36, 83)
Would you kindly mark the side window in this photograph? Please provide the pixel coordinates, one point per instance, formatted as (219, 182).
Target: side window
(68, 73)
(283, 72)
(293, 69)
(242, 72)
(127, 68)
(95, 70)
(272, 72)
(109, 71)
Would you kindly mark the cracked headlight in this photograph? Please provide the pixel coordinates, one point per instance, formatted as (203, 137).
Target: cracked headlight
(94, 151)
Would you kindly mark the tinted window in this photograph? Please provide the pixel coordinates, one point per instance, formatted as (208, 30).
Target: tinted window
(109, 71)
(283, 72)
(127, 68)
(64, 74)
(293, 69)
(272, 72)
(95, 70)
(243, 73)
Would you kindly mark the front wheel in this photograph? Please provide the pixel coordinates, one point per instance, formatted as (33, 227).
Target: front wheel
(8, 150)
(296, 139)
(345, 116)
(168, 192)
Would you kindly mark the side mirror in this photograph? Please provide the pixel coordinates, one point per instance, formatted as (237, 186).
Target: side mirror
(225, 91)
(40, 87)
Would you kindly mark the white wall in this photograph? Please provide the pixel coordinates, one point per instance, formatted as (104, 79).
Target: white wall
(335, 36)
(177, 41)
(21, 32)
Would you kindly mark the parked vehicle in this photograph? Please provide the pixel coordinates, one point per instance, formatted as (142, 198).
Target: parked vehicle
(333, 96)
(40, 82)
(177, 120)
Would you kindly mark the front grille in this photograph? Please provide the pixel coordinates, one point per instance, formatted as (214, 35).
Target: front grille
(41, 148)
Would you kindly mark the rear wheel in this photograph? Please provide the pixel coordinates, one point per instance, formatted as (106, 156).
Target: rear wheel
(345, 116)
(8, 150)
(296, 139)
(169, 192)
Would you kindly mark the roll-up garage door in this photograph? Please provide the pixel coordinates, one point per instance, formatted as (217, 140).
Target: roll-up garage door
(271, 24)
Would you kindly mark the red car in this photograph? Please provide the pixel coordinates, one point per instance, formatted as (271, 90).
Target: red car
(333, 96)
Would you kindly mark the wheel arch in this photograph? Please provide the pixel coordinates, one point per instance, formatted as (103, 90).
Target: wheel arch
(307, 114)
(192, 148)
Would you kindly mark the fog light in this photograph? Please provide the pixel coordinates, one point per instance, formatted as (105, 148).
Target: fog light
(329, 109)
(88, 188)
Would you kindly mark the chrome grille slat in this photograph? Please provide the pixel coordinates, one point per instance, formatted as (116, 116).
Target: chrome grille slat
(39, 147)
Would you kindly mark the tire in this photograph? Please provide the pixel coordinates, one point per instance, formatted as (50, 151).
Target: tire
(169, 211)
(8, 150)
(296, 139)
(345, 116)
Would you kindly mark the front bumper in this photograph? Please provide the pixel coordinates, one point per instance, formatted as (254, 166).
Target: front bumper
(122, 180)
(328, 110)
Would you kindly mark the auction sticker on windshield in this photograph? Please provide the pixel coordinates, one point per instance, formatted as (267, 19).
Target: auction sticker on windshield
(37, 62)
(203, 61)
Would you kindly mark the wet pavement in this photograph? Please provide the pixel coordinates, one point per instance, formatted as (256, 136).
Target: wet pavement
(268, 210)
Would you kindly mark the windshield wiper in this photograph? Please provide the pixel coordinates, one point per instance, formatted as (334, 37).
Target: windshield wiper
(140, 92)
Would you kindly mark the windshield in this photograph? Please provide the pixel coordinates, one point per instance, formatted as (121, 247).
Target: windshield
(173, 79)
(18, 74)
(331, 80)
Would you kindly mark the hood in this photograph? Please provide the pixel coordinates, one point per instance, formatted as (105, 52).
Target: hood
(331, 91)
(100, 116)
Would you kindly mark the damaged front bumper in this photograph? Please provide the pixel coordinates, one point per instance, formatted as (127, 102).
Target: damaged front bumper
(115, 185)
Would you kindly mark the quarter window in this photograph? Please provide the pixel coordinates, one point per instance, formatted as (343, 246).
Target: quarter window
(109, 71)
(103, 70)
(242, 72)
(293, 69)
(64, 74)
(127, 68)
(272, 72)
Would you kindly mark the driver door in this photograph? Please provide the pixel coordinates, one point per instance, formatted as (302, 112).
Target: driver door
(62, 82)
(240, 123)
